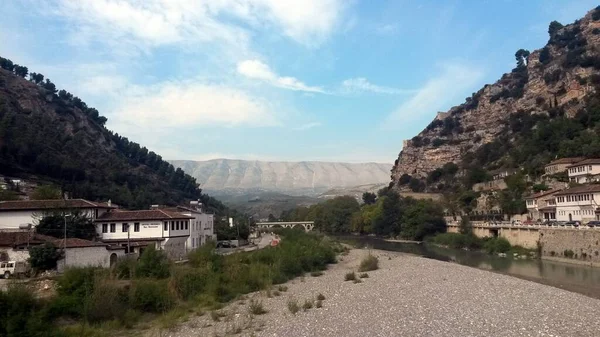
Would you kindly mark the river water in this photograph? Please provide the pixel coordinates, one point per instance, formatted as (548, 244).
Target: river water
(577, 278)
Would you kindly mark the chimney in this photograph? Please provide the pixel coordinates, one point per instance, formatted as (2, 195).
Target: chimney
(153, 206)
(109, 203)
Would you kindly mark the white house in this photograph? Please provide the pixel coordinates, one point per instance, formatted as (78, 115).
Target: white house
(585, 171)
(542, 205)
(578, 203)
(167, 230)
(21, 212)
(201, 227)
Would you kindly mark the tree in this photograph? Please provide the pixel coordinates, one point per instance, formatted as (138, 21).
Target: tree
(46, 192)
(21, 71)
(465, 226)
(389, 221)
(369, 198)
(545, 55)
(521, 56)
(554, 27)
(404, 179)
(6, 64)
(336, 214)
(50, 86)
(78, 226)
(36, 78)
(7, 195)
(44, 257)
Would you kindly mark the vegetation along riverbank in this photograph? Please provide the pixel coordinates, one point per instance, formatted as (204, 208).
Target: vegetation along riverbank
(154, 293)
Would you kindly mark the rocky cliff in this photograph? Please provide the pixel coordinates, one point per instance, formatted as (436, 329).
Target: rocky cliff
(558, 77)
(290, 177)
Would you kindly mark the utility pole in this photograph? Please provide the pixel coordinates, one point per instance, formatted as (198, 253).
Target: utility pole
(128, 241)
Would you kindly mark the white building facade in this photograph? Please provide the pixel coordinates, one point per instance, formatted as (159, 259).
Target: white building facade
(579, 203)
(201, 226)
(22, 212)
(585, 171)
(541, 206)
(168, 231)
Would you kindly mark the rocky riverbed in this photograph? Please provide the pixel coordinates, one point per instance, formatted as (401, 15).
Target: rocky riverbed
(406, 296)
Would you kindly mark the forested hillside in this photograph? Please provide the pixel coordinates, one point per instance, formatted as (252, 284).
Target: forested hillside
(52, 135)
(548, 106)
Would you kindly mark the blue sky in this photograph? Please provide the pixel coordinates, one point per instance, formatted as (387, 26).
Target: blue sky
(327, 80)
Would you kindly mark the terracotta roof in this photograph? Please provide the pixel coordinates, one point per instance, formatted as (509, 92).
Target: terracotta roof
(589, 161)
(541, 194)
(570, 160)
(77, 243)
(581, 189)
(13, 239)
(153, 214)
(50, 204)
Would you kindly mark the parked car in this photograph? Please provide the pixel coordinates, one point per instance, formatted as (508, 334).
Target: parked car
(572, 223)
(225, 244)
(593, 223)
(12, 268)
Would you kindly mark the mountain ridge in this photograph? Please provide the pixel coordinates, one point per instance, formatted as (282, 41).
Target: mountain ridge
(316, 176)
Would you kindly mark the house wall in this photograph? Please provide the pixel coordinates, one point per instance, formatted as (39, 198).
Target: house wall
(175, 247)
(580, 173)
(12, 219)
(97, 256)
(148, 229)
(579, 210)
(15, 255)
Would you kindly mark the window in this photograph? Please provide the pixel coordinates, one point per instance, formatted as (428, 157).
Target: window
(104, 228)
(125, 227)
(166, 226)
(186, 225)
(172, 225)
(177, 225)
(136, 227)
(590, 168)
(113, 227)
(193, 242)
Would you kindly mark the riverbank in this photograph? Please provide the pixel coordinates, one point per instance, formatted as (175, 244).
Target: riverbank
(410, 296)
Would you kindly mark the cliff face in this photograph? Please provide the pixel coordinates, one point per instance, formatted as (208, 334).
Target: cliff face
(560, 75)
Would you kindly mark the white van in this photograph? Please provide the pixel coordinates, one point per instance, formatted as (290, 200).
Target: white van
(11, 268)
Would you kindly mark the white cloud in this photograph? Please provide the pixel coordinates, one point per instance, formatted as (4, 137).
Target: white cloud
(258, 70)
(387, 29)
(307, 126)
(191, 104)
(437, 94)
(151, 23)
(361, 84)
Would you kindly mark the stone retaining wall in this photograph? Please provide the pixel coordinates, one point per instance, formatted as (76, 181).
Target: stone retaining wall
(584, 243)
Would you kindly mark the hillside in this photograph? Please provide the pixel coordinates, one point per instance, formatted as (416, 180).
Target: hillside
(295, 178)
(547, 106)
(51, 136)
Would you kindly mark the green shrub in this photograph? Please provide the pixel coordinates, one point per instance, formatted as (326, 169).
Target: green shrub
(316, 273)
(153, 263)
(319, 304)
(282, 288)
(308, 304)
(149, 295)
(351, 276)
(458, 241)
(44, 257)
(125, 267)
(321, 297)
(293, 306)
(256, 308)
(75, 286)
(107, 302)
(189, 282)
(369, 263)
(497, 245)
(569, 253)
(364, 275)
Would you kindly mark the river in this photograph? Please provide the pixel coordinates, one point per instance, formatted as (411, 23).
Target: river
(577, 278)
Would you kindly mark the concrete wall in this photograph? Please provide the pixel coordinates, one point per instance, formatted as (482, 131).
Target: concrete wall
(585, 243)
(525, 237)
(88, 256)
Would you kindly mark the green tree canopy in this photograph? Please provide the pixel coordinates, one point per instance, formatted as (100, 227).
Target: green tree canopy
(44, 257)
(336, 214)
(369, 198)
(78, 226)
(554, 27)
(46, 192)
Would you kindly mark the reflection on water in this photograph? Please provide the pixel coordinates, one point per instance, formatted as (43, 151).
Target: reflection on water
(577, 278)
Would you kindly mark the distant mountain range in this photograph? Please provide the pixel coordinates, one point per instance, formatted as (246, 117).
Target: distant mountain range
(294, 178)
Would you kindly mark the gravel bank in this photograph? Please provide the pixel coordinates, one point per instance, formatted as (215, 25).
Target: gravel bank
(410, 296)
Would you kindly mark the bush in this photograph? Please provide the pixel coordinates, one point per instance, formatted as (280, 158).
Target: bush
(364, 275)
(319, 304)
(351, 276)
(107, 302)
(497, 245)
(256, 308)
(308, 304)
(321, 297)
(189, 282)
(316, 273)
(153, 263)
(44, 257)
(458, 241)
(125, 267)
(369, 263)
(293, 306)
(151, 296)
(568, 253)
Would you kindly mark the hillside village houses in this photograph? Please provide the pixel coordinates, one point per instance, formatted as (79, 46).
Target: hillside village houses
(560, 165)
(585, 171)
(175, 230)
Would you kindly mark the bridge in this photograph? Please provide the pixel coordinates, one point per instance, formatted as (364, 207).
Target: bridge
(306, 225)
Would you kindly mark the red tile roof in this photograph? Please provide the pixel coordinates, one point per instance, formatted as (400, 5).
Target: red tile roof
(153, 214)
(541, 194)
(18, 205)
(589, 161)
(570, 160)
(581, 189)
(77, 243)
(13, 239)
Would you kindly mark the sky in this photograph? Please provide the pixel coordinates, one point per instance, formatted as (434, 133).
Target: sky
(277, 80)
